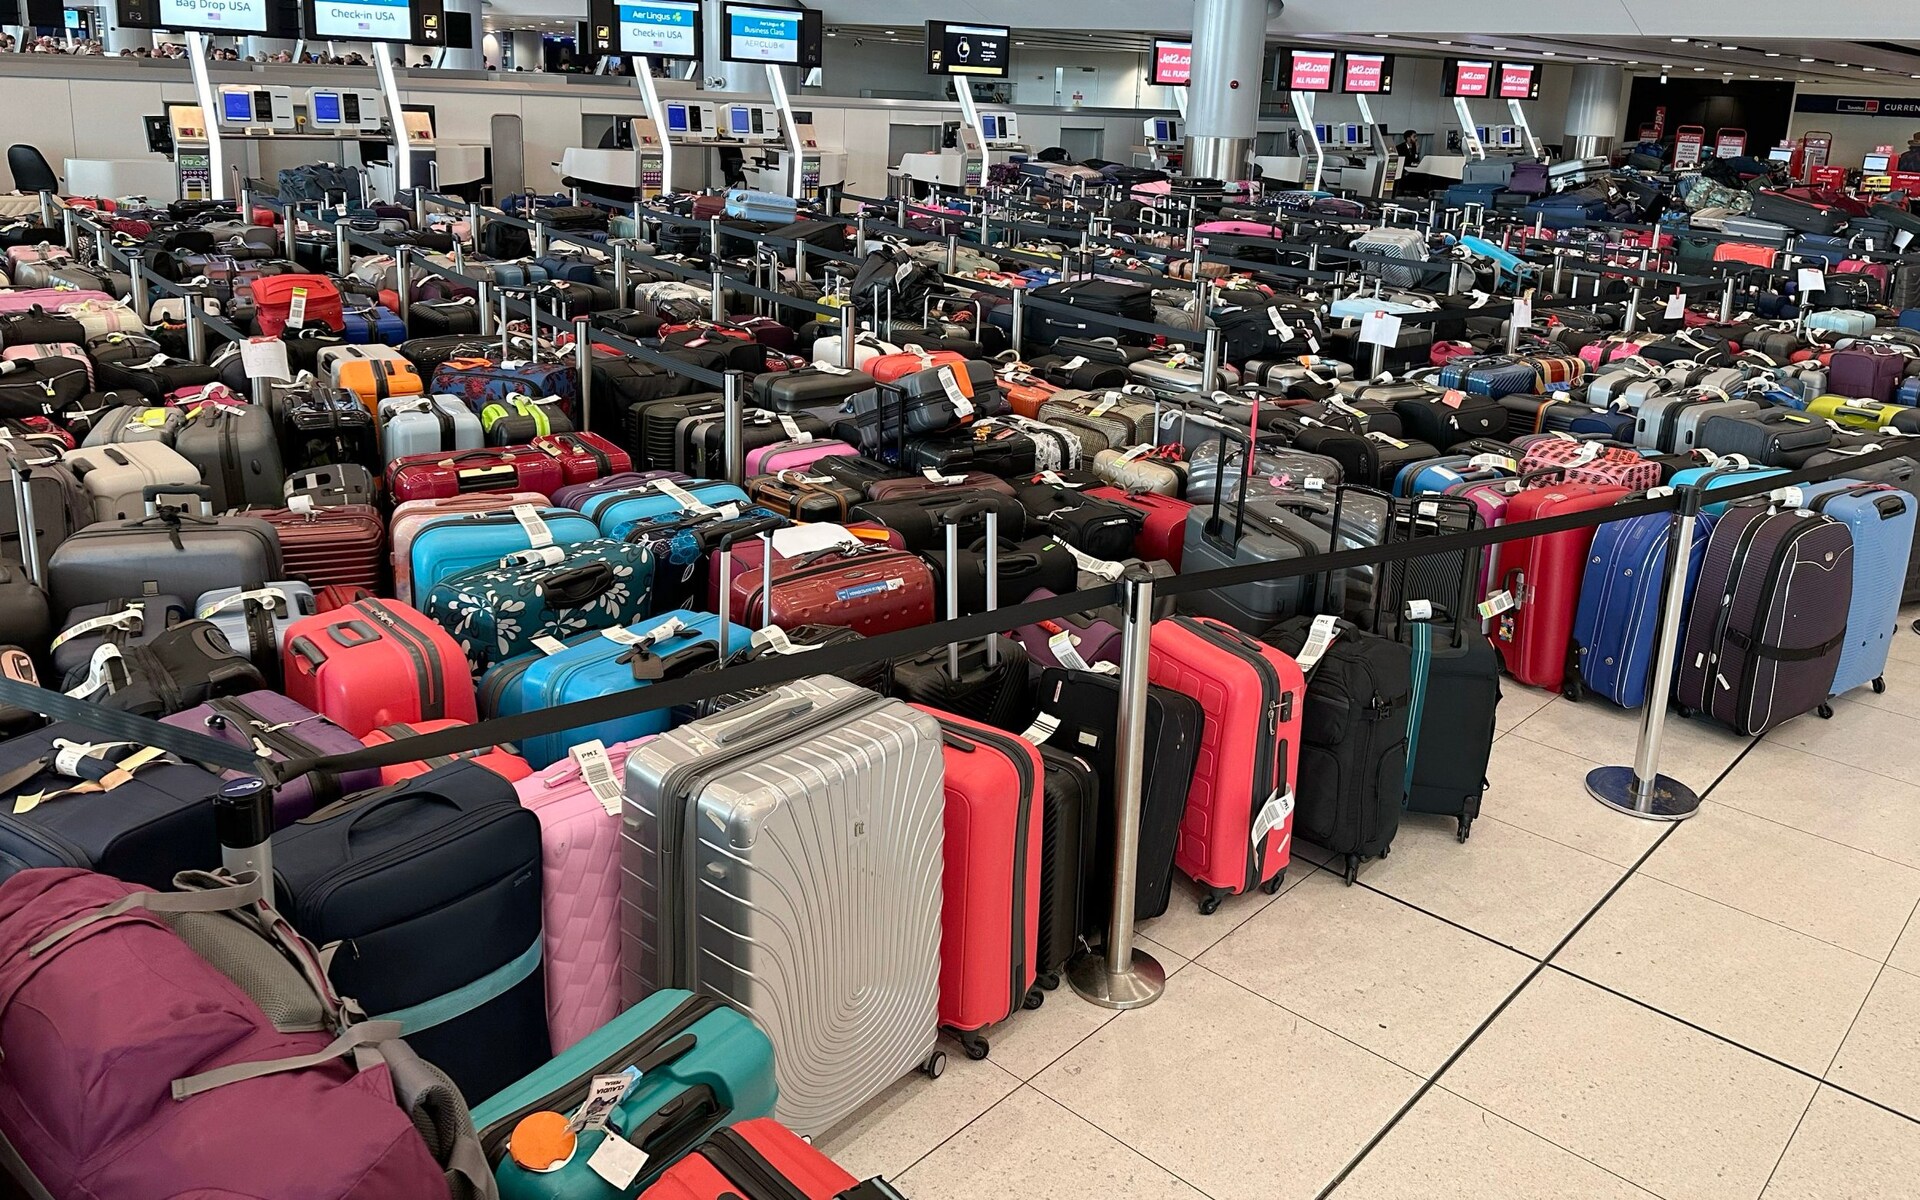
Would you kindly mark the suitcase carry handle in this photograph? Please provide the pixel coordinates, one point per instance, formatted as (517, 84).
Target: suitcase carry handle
(677, 1125)
(356, 628)
(305, 651)
(153, 491)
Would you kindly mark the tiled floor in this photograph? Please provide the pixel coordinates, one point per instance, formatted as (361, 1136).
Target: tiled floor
(1572, 1004)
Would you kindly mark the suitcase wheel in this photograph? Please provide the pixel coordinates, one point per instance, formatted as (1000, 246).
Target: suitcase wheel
(1353, 868)
(1272, 886)
(1825, 711)
(1466, 828)
(1210, 903)
(1050, 980)
(1879, 687)
(935, 1066)
(970, 1041)
(1035, 997)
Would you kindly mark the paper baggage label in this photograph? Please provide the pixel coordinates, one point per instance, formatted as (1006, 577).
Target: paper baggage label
(831, 368)
(937, 477)
(794, 541)
(681, 496)
(1493, 460)
(547, 644)
(596, 771)
(617, 1161)
(297, 309)
(1320, 635)
(1522, 311)
(1104, 407)
(962, 406)
(537, 529)
(1280, 326)
(1812, 279)
(265, 358)
(267, 595)
(794, 432)
(130, 618)
(1313, 483)
(1044, 726)
(1380, 329)
(1496, 604)
(300, 504)
(1419, 610)
(1676, 306)
(1273, 815)
(104, 656)
(1062, 645)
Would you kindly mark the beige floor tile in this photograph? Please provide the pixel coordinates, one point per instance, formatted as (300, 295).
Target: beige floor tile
(1170, 961)
(1829, 891)
(1030, 1040)
(1029, 1146)
(1694, 752)
(1781, 993)
(1906, 954)
(1448, 1147)
(1674, 1110)
(1543, 789)
(1873, 738)
(1373, 970)
(1186, 931)
(1238, 1097)
(1517, 703)
(1848, 1150)
(1881, 1057)
(1504, 882)
(1906, 644)
(1902, 677)
(897, 1128)
(1834, 800)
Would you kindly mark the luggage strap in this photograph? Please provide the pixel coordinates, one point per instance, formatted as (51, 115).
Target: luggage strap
(1759, 649)
(461, 1000)
(1422, 659)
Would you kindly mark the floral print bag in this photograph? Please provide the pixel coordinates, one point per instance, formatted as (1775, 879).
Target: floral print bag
(506, 607)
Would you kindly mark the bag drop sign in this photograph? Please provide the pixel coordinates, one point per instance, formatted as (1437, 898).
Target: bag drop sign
(237, 16)
(382, 20)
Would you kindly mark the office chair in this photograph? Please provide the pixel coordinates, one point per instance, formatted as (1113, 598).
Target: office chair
(31, 171)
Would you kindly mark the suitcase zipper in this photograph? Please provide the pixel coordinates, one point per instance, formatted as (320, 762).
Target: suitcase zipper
(313, 898)
(427, 666)
(1724, 617)
(1013, 748)
(1264, 767)
(736, 1158)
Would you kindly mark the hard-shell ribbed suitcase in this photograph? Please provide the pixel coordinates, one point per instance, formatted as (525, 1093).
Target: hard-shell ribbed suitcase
(510, 469)
(445, 548)
(1071, 794)
(236, 453)
(1621, 593)
(1392, 243)
(1768, 620)
(1543, 575)
(427, 425)
(740, 831)
(504, 763)
(868, 588)
(990, 910)
(584, 457)
(116, 477)
(438, 897)
(662, 494)
(700, 1066)
(1881, 519)
(1238, 827)
(374, 663)
(342, 545)
(1268, 530)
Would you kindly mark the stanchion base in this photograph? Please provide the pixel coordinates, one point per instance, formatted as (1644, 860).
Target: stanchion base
(1671, 800)
(1137, 987)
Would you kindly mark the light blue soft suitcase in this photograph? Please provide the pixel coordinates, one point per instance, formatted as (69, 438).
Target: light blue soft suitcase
(662, 647)
(1849, 321)
(1881, 517)
(702, 1066)
(1620, 594)
(761, 206)
(609, 510)
(1724, 475)
(461, 542)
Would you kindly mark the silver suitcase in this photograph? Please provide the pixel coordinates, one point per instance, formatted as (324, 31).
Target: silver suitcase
(428, 425)
(1181, 373)
(256, 620)
(1607, 387)
(1393, 243)
(117, 476)
(785, 856)
(1686, 434)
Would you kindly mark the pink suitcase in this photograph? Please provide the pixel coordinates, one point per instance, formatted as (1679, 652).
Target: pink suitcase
(44, 252)
(1489, 498)
(1243, 780)
(580, 885)
(25, 299)
(793, 455)
(411, 516)
(1238, 228)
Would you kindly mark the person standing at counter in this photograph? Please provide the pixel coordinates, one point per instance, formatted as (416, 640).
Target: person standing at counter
(1409, 148)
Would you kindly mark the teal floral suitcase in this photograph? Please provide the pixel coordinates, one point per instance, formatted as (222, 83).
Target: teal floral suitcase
(504, 608)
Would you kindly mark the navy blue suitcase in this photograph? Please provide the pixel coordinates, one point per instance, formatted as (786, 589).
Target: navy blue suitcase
(1619, 613)
(569, 270)
(432, 887)
(378, 324)
(1613, 426)
(1492, 377)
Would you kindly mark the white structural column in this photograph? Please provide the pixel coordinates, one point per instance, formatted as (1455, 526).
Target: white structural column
(1223, 101)
(1595, 108)
(527, 51)
(455, 58)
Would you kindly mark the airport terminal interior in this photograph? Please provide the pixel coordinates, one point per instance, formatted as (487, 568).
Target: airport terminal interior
(1205, 600)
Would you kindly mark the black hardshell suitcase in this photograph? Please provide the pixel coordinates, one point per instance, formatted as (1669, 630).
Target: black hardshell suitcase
(237, 454)
(170, 553)
(986, 679)
(1071, 794)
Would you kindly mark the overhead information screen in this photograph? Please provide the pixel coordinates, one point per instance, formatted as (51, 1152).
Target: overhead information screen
(213, 16)
(1311, 71)
(981, 50)
(1172, 63)
(1367, 74)
(1469, 78)
(660, 28)
(1519, 81)
(787, 37)
(363, 20)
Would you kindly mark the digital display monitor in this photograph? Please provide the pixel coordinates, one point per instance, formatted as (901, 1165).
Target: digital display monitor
(659, 28)
(1367, 74)
(740, 120)
(1172, 63)
(1323, 134)
(326, 108)
(1469, 78)
(983, 51)
(1162, 130)
(213, 16)
(1519, 81)
(1876, 164)
(676, 118)
(1782, 154)
(993, 125)
(1509, 136)
(787, 37)
(360, 20)
(1310, 70)
(236, 107)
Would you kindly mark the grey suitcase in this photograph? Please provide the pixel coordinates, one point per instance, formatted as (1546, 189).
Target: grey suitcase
(1181, 373)
(1126, 414)
(1274, 470)
(256, 620)
(117, 477)
(1608, 388)
(55, 501)
(1392, 243)
(237, 452)
(785, 856)
(1752, 229)
(144, 423)
(427, 425)
(1268, 530)
(165, 553)
(1687, 423)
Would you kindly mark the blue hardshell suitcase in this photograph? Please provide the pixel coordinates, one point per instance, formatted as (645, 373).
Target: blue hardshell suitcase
(1725, 474)
(610, 510)
(702, 1066)
(1909, 390)
(447, 547)
(378, 324)
(1439, 474)
(1492, 377)
(1626, 575)
(567, 270)
(594, 664)
(432, 888)
(1881, 517)
(761, 206)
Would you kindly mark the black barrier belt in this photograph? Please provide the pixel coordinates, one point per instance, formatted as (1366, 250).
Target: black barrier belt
(125, 726)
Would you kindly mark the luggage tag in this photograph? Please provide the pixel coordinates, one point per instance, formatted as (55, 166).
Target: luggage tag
(936, 477)
(962, 406)
(1044, 726)
(1320, 636)
(596, 771)
(130, 618)
(276, 596)
(98, 670)
(1273, 814)
(617, 1160)
(681, 496)
(536, 527)
(296, 309)
(794, 432)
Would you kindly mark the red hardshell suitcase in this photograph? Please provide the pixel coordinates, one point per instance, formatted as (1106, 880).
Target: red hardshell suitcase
(990, 905)
(585, 457)
(871, 590)
(502, 469)
(759, 1159)
(1249, 753)
(1164, 534)
(375, 663)
(343, 545)
(509, 766)
(1542, 576)
(889, 367)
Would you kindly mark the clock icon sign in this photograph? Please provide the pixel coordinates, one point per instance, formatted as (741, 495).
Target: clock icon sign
(964, 49)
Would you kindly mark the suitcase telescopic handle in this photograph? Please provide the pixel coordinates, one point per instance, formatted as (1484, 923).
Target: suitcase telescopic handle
(675, 1126)
(199, 491)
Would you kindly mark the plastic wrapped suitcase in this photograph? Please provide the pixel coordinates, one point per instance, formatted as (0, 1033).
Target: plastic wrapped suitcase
(1238, 828)
(1742, 662)
(1621, 592)
(1881, 519)
(374, 663)
(866, 987)
(433, 897)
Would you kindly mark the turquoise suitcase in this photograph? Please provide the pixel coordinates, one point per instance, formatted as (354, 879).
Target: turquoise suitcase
(702, 1066)
(612, 509)
(462, 542)
(1724, 475)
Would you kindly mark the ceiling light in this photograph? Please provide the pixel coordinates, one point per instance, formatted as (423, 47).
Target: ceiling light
(1499, 49)
(1666, 66)
(1753, 77)
(1593, 58)
(889, 33)
(1806, 60)
(1729, 47)
(1548, 54)
(1840, 64)
(1773, 54)
(1682, 41)
(1019, 43)
(1443, 42)
(1380, 35)
(1699, 68)
(1727, 73)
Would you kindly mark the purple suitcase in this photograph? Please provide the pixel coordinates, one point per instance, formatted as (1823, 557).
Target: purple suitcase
(288, 729)
(1079, 641)
(1866, 371)
(576, 494)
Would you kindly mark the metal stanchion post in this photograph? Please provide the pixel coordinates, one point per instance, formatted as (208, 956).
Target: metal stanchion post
(139, 293)
(71, 230)
(799, 264)
(901, 213)
(341, 250)
(733, 388)
(1559, 265)
(1313, 257)
(483, 306)
(1125, 976)
(474, 224)
(403, 282)
(537, 235)
(289, 230)
(1632, 320)
(622, 286)
(846, 335)
(860, 233)
(1513, 334)
(1018, 330)
(196, 326)
(1726, 302)
(246, 204)
(953, 253)
(1210, 361)
(46, 209)
(716, 307)
(583, 364)
(573, 195)
(420, 207)
(1640, 790)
